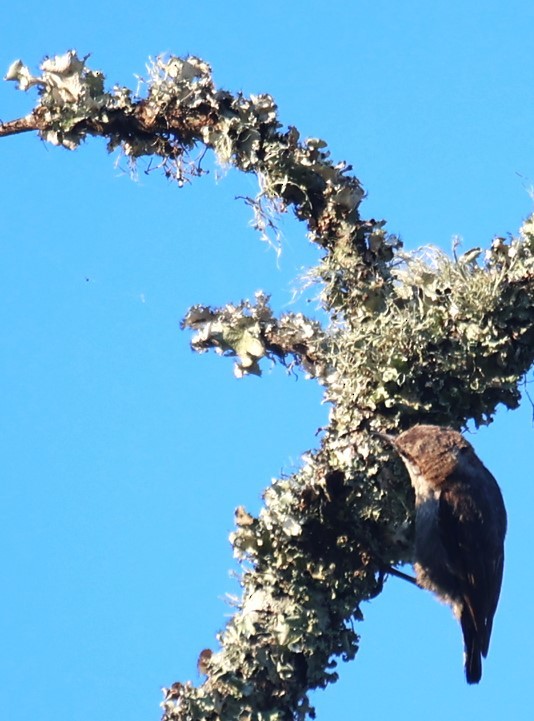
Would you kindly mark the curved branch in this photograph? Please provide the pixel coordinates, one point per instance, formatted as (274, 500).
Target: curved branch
(412, 339)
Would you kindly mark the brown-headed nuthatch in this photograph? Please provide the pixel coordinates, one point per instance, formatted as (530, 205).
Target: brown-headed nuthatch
(460, 525)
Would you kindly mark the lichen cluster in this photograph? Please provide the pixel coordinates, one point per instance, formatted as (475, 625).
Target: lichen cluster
(413, 337)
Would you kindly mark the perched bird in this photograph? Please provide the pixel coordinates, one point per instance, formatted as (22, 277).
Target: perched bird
(460, 525)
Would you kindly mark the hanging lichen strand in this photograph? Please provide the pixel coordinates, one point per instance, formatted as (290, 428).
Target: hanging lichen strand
(413, 337)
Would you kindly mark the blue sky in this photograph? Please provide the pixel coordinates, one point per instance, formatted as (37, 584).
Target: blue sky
(123, 454)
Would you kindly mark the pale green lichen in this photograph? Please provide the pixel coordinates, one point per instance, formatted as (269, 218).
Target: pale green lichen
(412, 337)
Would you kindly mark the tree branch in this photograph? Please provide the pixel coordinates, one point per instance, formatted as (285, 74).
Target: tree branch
(413, 338)
(250, 332)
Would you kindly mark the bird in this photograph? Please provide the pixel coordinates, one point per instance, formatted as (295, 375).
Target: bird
(460, 527)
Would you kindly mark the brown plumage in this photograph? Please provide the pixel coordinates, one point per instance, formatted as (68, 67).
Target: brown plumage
(460, 527)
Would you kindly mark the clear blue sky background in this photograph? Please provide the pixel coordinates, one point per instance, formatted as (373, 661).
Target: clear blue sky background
(123, 455)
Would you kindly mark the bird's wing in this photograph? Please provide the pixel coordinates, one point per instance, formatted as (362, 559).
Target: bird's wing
(472, 559)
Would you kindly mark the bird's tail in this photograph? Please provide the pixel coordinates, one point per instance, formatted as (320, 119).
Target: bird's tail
(473, 660)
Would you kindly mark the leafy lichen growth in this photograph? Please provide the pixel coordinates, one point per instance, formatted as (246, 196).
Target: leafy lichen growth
(413, 337)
